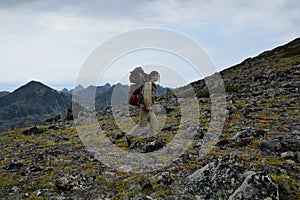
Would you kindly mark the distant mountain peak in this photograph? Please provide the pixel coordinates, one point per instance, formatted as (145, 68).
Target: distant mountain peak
(78, 88)
(35, 84)
(32, 86)
(31, 103)
(65, 90)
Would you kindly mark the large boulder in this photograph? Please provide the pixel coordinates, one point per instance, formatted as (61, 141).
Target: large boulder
(227, 179)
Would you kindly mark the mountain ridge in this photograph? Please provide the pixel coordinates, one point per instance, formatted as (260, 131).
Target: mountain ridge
(31, 103)
(36, 102)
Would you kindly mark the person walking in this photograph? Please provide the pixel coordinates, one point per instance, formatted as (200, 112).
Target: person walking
(146, 111)
(146, 107)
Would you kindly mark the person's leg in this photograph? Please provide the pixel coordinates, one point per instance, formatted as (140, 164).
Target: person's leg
(144, 116)
(141, 129)
(147, 94)
(154, 125)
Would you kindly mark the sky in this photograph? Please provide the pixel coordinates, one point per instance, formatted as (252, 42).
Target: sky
(51, 40)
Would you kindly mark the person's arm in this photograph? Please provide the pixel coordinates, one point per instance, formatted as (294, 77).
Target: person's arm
(153, 92)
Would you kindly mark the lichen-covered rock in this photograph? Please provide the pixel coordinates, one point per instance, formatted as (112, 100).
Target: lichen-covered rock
(256, 186)
(225, 179)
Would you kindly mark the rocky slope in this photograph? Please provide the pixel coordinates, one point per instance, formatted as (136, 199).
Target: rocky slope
(257, 155)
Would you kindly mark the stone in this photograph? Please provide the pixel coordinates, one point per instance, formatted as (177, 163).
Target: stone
(153, 146)
(164, 178)
(278, 146)
(56, 118)
(14, 166)
(31, 131)
(282, 144)
(222, 180)
(74, 110)
(287, 155)
(256, 186)
(298, 157)
(64, 184)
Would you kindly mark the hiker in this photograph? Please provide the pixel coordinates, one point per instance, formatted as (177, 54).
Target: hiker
(145, 103)
(146, 108)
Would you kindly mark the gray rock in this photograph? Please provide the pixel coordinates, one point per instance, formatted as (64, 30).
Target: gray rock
(256, 186)
(31, 131)
(142, 197)
(287, 155)
(282, 144)
(164, 178)
(226, 179)
(271, 146)
(298, 156)
(153, 146)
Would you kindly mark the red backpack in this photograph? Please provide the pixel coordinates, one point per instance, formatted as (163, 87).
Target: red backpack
(135, 95)
(138, 77)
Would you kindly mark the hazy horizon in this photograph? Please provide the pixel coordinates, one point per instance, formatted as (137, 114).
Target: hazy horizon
(60, 88)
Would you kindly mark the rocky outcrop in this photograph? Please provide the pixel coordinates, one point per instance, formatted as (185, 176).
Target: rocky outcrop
(227, 179)
(256, 186)
(74, 110)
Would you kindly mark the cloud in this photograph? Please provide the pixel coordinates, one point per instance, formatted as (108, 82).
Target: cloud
(38, 36)
(231, 16)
